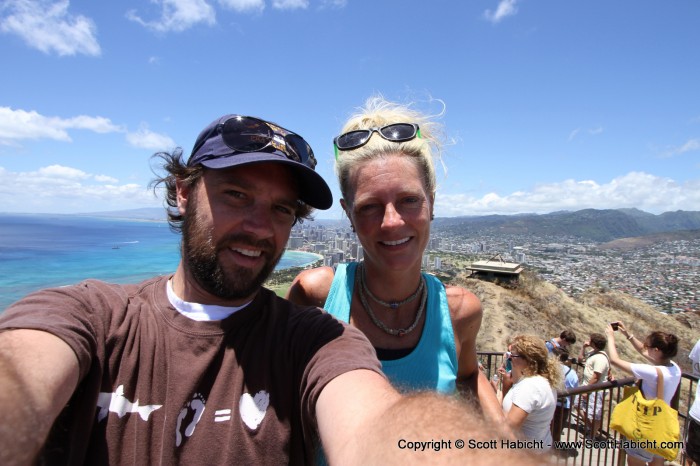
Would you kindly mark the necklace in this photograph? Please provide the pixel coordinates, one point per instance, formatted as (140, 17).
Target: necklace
(391, 304)
(391, 331)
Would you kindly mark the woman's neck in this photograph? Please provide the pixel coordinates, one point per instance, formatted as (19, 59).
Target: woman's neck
(391, 284)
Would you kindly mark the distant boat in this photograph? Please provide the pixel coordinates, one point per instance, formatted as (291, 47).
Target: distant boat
(115, 247)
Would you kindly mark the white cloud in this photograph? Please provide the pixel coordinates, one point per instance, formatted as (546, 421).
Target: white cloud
(60, 172)
(21, 124)
(61, 189)
(636, 189)
(505, 8)
(592, 131)
(290, 4)
(243, 6)
(178, 15)
(147, 139)
(334, 3)
(106, 179)
(48, 27)
(690, 146)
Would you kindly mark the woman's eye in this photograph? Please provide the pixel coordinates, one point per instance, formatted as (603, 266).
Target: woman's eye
(367, 209)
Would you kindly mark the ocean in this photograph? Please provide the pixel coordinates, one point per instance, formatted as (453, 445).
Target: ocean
(40, 251)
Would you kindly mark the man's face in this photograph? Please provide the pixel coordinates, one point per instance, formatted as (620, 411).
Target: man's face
(236, 225)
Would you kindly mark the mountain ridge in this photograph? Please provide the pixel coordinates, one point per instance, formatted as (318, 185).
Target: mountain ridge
(588, 224)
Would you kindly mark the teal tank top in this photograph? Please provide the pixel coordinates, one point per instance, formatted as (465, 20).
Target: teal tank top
(432, 365)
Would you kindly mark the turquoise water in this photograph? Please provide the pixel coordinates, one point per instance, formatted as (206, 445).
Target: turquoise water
(39, 251)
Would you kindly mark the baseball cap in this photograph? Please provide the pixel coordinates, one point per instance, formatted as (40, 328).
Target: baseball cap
(235, 140)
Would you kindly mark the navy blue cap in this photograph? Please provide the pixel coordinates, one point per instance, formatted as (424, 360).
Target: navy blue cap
(211, 151)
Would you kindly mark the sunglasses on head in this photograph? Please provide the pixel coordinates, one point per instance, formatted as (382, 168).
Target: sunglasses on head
(396, 132)
(246, 134)
(510, 355)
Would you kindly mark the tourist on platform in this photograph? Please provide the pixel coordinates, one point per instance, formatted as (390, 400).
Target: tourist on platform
(563, 412)
(692, 432)
(423, 331)
(694, 357)
(530, 403)
(565, 339)
(658, 348)
(596, 370)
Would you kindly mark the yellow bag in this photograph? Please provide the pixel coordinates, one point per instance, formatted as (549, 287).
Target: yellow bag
(641, 420)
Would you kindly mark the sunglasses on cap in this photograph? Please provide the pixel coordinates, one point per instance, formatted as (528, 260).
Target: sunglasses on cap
(244, 135)
(396, 132)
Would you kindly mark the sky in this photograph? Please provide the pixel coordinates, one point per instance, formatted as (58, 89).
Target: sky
(546, 105)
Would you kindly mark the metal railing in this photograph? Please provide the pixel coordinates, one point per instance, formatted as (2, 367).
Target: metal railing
(587, 448)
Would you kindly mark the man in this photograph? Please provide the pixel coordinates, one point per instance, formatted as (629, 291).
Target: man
(692, 432)
(694, 357)
(595, 371)
(563, 341)
(204, 366)
(562, 413)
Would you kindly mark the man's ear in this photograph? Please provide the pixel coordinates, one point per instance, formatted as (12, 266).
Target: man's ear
(184, 190)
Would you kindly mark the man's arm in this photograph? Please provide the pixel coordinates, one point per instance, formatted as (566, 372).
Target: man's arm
(38, 374)
(363, 420)
(348, 406)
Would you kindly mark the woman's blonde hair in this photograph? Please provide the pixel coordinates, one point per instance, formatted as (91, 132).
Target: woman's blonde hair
(538, 359)
(379, 112)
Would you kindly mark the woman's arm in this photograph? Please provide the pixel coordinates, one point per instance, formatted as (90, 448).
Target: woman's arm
(612, 351)
(636, 342)
(466, 313)
(311, 287)
(516, 417)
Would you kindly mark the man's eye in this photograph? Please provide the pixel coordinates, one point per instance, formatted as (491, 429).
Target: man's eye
(285, 210)
(235, 194)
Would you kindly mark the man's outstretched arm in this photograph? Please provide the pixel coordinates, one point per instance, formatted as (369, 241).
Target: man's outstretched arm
(38, 374)
(363, 420)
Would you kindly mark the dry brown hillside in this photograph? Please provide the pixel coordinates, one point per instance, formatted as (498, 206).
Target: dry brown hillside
(537, 307)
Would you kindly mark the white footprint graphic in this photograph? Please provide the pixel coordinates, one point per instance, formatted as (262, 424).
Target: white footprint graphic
(197, 406)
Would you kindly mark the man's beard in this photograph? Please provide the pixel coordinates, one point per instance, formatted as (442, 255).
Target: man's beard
(201, 257)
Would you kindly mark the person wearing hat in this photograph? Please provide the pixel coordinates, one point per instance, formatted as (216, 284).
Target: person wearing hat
(205, 366)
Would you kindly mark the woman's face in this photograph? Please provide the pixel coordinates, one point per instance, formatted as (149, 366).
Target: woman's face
(518, 362)
(390, 210)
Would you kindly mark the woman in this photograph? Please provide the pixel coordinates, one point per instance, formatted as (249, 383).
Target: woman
(530, 403)
(658, 348)
(424, 332)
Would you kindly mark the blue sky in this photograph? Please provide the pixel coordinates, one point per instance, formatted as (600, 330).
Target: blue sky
(548, 105)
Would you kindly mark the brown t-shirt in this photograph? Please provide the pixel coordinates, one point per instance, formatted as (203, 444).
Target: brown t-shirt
(159, 388)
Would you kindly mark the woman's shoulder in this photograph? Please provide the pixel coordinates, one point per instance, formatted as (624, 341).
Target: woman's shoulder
(463, 303)
(311, 287)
